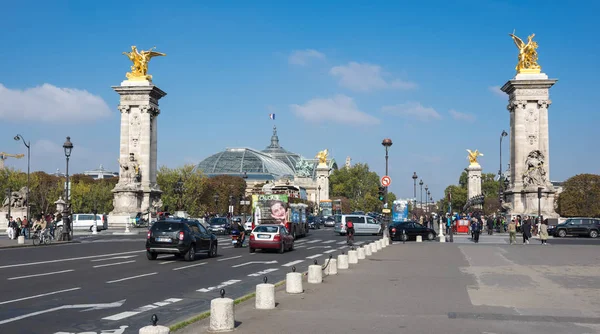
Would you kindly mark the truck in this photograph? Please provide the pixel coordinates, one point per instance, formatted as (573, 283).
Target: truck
(277, 209)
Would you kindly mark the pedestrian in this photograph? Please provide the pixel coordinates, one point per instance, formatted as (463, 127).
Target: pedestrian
(544, 232)
(526, 230)
(477, 226)
(25, 227)
(512, 232)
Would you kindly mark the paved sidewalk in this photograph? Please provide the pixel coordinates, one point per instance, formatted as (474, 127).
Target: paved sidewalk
(440, 288)
(5, 242)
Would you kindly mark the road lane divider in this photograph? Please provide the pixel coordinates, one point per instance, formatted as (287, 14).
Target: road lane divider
(313, 241)
(127, 314)
(167, 262)
(112, 264)
(328, 241)
(132, 277)
(263, 272)
(38, 296)
(330, 251)
(342, 242)
(43, 274)
(314, 256)
(301, 246)
(254, 262)
(313, 247)
(190, 266)
(293, 263)
(229, 258)
(115, 258)
(220, 286)
(25, 264)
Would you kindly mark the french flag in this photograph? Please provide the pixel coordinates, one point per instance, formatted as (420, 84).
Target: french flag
(272, 116)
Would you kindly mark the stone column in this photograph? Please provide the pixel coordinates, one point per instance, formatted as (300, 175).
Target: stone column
(323, 180)
(474, 182)
(529, 145)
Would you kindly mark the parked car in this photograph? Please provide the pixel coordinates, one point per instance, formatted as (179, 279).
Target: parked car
(362, 224)
(183, 238)
(85, 221)
(219, 225)
(266, 236)
(576, 226)
(329, 222)
(412, 229)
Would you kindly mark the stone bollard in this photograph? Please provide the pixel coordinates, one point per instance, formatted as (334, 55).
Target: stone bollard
(154, 329)
(331, 268)
(361, 253)
(383, 245)
(373, 247)
(265, 296)
(21, 240)
(342, 261)
(315, 274)
(419, 238)
(222, 317)
(368, 250)
(293, 282)
(378, 245)
(442, 238)
(352, 257)
(386, 241)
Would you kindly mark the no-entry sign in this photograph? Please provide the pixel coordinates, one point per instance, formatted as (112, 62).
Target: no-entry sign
(386, 181)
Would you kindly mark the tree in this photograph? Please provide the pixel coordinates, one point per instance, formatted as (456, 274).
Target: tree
(358, 184)
(346, 206)
(580, 196)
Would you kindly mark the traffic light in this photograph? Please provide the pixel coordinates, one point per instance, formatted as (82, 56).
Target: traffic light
(540, 192)
(382, 193)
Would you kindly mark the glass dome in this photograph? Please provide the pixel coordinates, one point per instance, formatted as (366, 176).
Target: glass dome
(276, 151)
(244, 160)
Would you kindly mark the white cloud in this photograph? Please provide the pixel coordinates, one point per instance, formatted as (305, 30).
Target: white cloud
(461, 116)
(338, 109)
(303, 57)
(48, 103)
(366, 77)
(413, 110)
(497, 91)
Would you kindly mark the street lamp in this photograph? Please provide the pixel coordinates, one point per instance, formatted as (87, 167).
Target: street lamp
(216, 197)
(415, 177)
(502, 135)
(318, 199)
(179, 191)
(66, 233)
(421, 184)
(28, 145)
(387, 143)
(426, 199)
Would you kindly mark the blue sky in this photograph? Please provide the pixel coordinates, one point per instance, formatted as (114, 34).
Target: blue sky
(340, 75)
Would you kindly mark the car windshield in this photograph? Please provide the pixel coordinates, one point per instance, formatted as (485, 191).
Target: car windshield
(267, 229)
(218, 221)
(166, 226)
(338, 219)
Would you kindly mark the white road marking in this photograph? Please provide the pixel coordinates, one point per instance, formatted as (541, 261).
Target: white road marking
(313, 247)
(254, 262)
(300, 241)
(222, 285)
(301, 246)
(342, 242)
(120, 316)
(229, 258)
(343, 247)
(89, 307)
(263, 272)
(167, 262)
(25, 264)
(330, 251)
(328, 241)
(313, 241)
(359, 243)
(123, 315)
(128, 278)
(314, 256)
(44, 274)
(115, 258)
(37, 296)
(190, 266)
(227, 247)
(289, 264)
(113, 264)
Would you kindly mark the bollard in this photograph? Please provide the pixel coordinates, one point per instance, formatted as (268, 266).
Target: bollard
(368, 250)
(442, 238)
(361, 253)
(332, 267)
(315, 274)
(154, 329)
(342, 261)
(378, 245)
(386, 241)
(21, 240)
(352, 257)
(373, 247)
(265, 296)
(222, 317)
(383, 245)
(419, 238)
(293, 282)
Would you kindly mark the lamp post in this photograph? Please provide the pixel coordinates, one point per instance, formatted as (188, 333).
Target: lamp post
(179, 191)
(66, 233)
(28, 145)
(421, 184)
(426, 199)
(387, 143)
(502, 135)
(415, 177)
(216, 197)
(318, 199)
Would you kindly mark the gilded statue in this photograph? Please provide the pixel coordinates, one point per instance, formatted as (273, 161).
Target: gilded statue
(473, 157)
(322, 156)
(528, 55)
(139, 70)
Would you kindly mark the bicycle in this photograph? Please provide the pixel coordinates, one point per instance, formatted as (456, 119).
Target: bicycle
(42, 237)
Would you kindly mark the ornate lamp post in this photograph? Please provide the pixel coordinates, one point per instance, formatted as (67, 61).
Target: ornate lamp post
(28, 145)
(421, 184)
(216, 197)
(318, 199)
(67, 231)
(502, 135)
(387, 143)
(426, 199)
(179, 191)
(415, 177)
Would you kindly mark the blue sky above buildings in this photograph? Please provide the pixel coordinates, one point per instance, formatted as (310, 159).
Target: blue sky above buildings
(339, 75)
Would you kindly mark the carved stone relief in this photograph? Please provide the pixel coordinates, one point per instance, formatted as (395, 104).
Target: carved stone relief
(135, 129)
(531, 92)
(124, 108)
(535, 171)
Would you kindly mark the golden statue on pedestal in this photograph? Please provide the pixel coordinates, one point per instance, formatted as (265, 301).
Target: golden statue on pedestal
(473, 157)
(322, 156)
(528, 56)
(139, 70)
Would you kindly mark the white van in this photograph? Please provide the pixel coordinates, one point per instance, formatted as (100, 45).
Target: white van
(85, 221)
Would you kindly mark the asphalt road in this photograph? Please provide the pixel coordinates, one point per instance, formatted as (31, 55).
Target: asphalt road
(105, 284)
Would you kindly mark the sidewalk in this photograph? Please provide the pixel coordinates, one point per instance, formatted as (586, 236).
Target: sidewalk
(5, 242)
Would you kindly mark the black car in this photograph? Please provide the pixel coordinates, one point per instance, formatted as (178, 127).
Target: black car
(183, 238)
(589, 227)
(412, 229)
(314, 222)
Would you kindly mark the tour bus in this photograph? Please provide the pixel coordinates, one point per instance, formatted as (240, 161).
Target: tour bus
(277, 209)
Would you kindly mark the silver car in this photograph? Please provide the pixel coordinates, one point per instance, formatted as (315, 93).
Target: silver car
(362, 224)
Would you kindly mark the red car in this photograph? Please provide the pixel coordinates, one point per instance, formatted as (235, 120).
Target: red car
(271, 237)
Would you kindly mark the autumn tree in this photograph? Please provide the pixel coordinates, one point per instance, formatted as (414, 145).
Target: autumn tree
(580, 196)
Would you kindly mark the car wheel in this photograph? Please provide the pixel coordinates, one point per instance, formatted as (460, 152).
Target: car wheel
(212, 252)
(430, 236)
(191, 253)
(282, 248)
(593, 234)
(294, 234)
(252, 250)
(562, 233)
(151, 256)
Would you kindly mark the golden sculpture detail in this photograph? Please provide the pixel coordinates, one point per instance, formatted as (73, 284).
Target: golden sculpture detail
(139, 70)
(473, 157)
(528, 55)
(322, 156)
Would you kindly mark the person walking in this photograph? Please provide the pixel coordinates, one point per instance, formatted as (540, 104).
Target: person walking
(544, 232)
(526, 229)
(477, 226)
(512, 232)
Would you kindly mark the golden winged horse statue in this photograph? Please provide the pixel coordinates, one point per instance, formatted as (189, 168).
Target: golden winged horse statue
(528, 55)
(139, 69)
(473, 157)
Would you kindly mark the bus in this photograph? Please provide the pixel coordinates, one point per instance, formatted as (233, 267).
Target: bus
(277, 209)
(337, 206)
(326, 208)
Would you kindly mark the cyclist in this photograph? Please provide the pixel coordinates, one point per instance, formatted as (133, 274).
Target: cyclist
(349, 232)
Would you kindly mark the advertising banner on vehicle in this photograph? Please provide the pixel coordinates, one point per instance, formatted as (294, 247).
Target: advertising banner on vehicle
(400, 210)
(270, 209)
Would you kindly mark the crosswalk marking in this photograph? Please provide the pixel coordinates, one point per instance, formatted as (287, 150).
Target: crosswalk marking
(314, 256)
(342, 242)
(328, 241)
(313, 241)
(289, 264)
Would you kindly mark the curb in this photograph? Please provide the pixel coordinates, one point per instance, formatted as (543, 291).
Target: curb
(32, 246)
(206, 314)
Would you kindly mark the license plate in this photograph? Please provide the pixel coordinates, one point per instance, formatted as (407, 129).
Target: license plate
(234, 241)
(159, 239)
(264, 236)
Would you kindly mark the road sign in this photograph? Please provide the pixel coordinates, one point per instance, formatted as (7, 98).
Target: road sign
(386, 211)
(386, 181)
